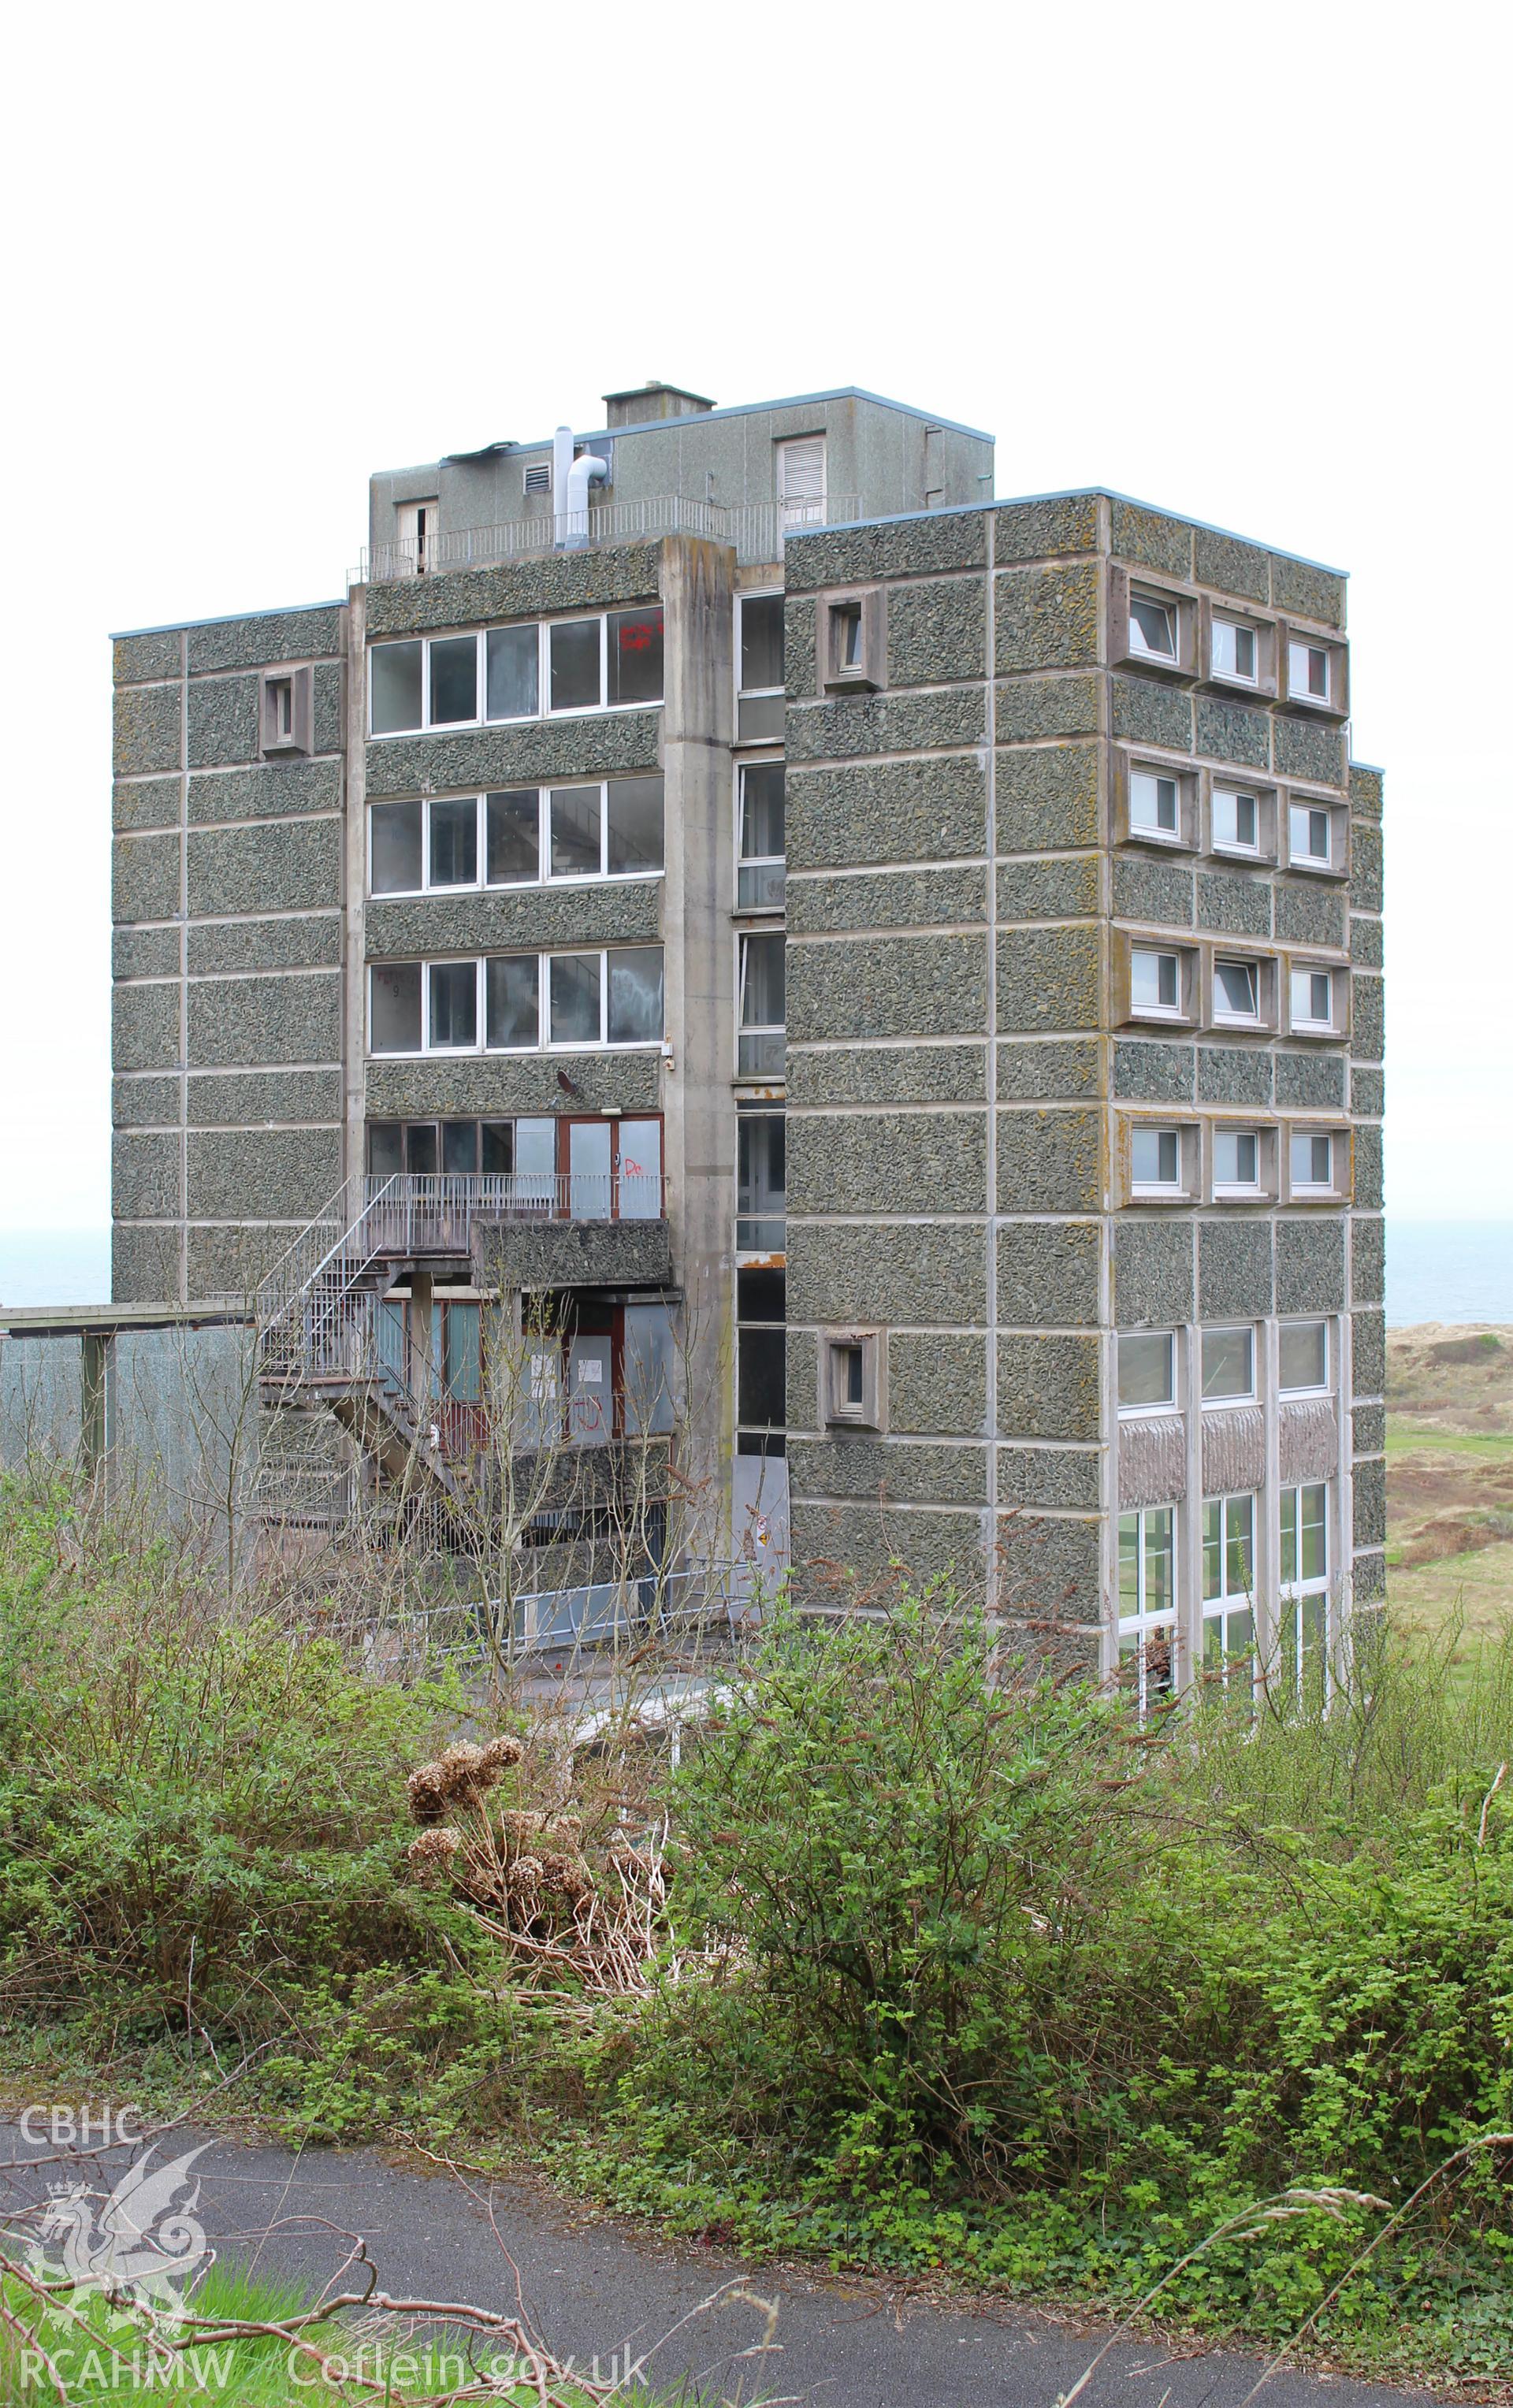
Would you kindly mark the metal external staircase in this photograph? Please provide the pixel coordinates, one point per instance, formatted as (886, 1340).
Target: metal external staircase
(317, 1322)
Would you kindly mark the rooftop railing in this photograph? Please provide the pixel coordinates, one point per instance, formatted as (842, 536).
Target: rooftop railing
(757, 529)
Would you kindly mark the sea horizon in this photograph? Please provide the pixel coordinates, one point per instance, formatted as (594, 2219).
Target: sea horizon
(1460, 1272)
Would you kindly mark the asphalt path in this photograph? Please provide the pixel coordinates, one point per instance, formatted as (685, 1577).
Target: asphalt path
(701, 2319)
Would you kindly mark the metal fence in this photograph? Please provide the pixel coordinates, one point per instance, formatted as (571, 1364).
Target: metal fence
(757, 529)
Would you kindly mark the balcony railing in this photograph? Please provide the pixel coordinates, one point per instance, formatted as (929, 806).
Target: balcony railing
(757, 529)
(434, 1213)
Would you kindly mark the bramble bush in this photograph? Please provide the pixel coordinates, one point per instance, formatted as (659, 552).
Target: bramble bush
(960, 1969)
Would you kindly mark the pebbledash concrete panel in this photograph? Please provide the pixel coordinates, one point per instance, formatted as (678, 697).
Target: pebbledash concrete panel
(529, 589)
(535, 1254)
(504, 1083)
(856, 723)
(621, 742)
(524, 918)
(276, 866)
(888, 1074)
(265, 641)
(871, 1162)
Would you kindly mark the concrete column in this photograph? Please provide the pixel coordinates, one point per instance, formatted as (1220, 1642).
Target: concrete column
(354, 890)
(697, 583)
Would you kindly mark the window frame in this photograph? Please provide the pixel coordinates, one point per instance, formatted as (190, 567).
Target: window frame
(1234, 623)
(480, 635)
(844, 1412)
(544, 956)
(1221, 1605)
(1223, 1017)
(1308, 1321)
(1312, 1191)
(1220, 1403)
(1138, 1627)
(1299, 1026)
(755, 692)
(1309, 865)
(1300, 641)
(769, 933)
(1228, 849)
(1174, 1191)
(745, 763)
(1236, 1191)
(482, 883)
(1139, 1407)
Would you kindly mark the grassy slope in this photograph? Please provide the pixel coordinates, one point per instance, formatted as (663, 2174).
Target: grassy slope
(1449, 1476)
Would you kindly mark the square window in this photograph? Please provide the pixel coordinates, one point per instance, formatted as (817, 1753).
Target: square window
(1229, 1358)
(515, 837)
(635, 983)
(1148, 1369)
(576, 821)
(1311, 834)
(574, 988)
(1152, 627)
(1303, 1356)
(1236, 990)
(396, 678)
(1313, 999)
(512, 677)
(1153, 803)
(395, 847)
(1308, 672)
(1236, 820)
(1236, 652)
(453, 851)
(1155, 980)
(633, 826)
(511, 985)
(1236, 1161)
(1156, 1159)
(573, 648)
(1313, 1160)
(454, 680)
(635, 655)
(394, 1008)
(454, 1007)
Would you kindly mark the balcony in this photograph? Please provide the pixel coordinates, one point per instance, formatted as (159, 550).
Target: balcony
(757, 530)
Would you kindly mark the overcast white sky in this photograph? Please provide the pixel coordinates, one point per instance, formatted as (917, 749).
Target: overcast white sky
(1249, 263)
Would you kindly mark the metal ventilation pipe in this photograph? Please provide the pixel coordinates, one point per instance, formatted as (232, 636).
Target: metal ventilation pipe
(588, 470)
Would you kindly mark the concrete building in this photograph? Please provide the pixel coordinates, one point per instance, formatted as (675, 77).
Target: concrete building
(914, 957)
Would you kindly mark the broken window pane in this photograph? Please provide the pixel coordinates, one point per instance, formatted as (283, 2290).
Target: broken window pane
(761, 641)
(635, 655)
(635, 995)
(394, 1008)
(454, 680)
(575, 664)
(761, 1377)
(511, 982)
(635, 826)
(514, 671)
(575, 831)
(454, 1003)
(395, 847)
(396, 674)
(455, 843)
(575, 992)
(514, 836)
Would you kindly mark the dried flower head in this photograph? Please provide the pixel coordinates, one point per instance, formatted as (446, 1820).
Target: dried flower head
(500, 1754)
(520, 1825)
(569, 1875)
(430, 1853)
(524, 1874)
(427, 1796)
(457, 1768)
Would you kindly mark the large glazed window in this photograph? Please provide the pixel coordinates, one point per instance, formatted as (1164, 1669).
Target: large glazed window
(611, 661)
(517, 1002)
(1229, 1592)
(523, 836)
